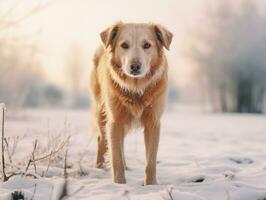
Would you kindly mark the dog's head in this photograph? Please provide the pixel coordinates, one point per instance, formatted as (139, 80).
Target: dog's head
(136, 48)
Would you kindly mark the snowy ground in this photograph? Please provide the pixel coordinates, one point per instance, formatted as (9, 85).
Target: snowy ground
(202, 156)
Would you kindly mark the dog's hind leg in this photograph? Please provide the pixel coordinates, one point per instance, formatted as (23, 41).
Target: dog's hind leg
(102, 143)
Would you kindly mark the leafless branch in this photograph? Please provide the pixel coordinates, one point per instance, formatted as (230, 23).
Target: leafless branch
(24, 174)
(169, 193)
(33, 156)
(5, 178)
(81, 171)
(65, 164)
(64, 190)
(49, 164)
(62, 145)
(7, 150)
(34, 192)
(53, 152)
(14, 145)
(31, 160)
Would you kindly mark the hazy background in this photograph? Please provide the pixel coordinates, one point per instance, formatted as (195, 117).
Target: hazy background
(217, 58)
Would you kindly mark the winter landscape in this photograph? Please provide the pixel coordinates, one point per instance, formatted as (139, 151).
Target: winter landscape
(213, 131)
(202, 156)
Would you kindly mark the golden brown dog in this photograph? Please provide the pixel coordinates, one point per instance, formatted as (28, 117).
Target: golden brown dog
(129, 86)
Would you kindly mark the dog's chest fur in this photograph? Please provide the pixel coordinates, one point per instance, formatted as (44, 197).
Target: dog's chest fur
(129, 101)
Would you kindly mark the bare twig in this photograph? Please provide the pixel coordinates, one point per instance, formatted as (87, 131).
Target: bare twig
(64, 190)
(33, 159)
(81, 171)
(13, 166)
(7, 150)
(35, 186)
(33, 156)
(11, 147)
(5, 178)
(65, 164)
(55, 151)
(14, 146)
(169, 193)
(49, 164)
(23, 173)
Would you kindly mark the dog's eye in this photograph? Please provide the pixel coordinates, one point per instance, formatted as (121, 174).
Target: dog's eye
(124, 45)
(146, 45)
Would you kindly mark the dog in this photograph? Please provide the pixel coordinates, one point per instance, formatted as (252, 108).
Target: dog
(129, 87)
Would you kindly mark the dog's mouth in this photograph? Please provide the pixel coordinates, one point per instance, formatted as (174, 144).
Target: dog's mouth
(135, 73)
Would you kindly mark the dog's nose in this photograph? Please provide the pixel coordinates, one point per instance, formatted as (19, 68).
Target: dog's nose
(135, 68)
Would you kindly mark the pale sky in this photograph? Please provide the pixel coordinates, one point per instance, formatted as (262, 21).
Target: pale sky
(66, 22)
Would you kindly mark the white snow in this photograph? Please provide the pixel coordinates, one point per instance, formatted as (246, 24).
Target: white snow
(202, 156)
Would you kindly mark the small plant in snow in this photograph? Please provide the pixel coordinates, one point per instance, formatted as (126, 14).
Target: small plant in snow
(10, 169)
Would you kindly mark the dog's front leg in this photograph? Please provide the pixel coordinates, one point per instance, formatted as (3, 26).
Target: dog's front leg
(116, 139)
(151, 136)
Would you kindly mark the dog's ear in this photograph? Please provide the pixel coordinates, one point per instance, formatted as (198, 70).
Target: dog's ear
(109, 35)
(163, 35)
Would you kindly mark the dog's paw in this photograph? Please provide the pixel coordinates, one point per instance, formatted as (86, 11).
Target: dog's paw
(120, 180)
(150, 182)
(99, 165)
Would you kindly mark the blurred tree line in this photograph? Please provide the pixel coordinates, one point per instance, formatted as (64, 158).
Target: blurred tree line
(22, 81)
(231, 55)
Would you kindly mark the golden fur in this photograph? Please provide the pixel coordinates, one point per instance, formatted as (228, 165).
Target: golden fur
(121, 100)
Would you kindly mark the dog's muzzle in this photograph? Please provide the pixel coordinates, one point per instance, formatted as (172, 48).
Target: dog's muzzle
(135, 68)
